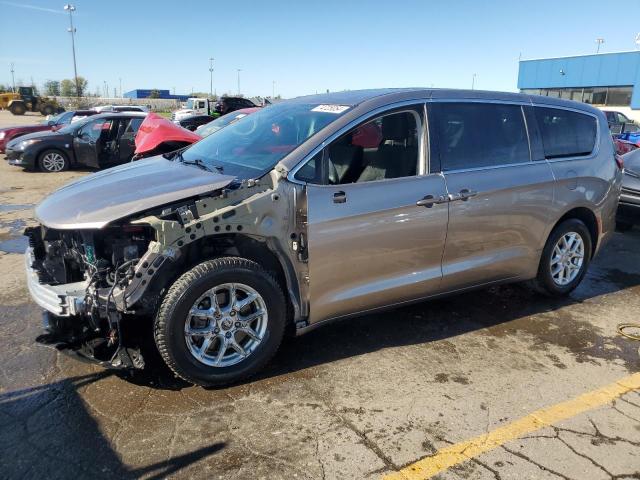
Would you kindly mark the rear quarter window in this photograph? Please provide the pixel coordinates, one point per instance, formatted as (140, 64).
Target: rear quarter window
(566, 133)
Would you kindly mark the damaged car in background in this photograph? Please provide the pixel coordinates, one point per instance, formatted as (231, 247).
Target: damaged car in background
(98, 141)
(316, 209)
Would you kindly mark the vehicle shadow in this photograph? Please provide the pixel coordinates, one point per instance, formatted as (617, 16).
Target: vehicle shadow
(497, 311)
(48, 430)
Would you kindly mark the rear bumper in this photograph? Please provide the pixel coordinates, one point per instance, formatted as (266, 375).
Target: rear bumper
(61, 300)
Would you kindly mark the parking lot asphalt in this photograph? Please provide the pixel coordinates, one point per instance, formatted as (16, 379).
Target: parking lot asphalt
(495, 384)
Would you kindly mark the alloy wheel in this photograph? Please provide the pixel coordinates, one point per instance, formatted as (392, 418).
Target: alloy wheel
(53, 162)
(226, 325)
(567, 258)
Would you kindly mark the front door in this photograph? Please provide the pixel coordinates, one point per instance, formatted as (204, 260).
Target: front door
(500, 198)
(376, 225)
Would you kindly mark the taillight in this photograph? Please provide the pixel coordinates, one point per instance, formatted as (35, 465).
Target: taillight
(619, 161)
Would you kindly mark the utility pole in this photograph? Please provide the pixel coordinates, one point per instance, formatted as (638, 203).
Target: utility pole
(473, 81)
(210, 77)
(13, 78)
(239, 70)
(71, 8)
(599, 41)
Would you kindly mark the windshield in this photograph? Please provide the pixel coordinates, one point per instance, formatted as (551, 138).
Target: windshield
(211, 127)
(56, 119)
(189, 103)
(252, 145)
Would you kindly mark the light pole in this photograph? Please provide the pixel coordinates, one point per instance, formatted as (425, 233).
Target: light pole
(239, 70)
(473, 81)
(599, 41)
(13, 78)
(71, 8)
(211, 77)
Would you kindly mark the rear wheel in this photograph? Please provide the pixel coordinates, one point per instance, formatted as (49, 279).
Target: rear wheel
(565, 259)
(53, 161)
(220, 322)
(48, 109)
(17, 108)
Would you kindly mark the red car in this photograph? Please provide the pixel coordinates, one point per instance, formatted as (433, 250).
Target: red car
(54, 123)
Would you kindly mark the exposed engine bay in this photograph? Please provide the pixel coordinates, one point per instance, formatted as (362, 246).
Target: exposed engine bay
(104, 262)
(101, 287)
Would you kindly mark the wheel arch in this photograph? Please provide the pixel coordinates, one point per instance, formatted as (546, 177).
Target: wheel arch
(55, 148)
(589, 218)
(264, 251)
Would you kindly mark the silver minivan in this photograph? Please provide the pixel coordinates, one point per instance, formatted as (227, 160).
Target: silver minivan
(316, 209)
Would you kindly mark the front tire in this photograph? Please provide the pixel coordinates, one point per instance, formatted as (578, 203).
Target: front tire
(17, 108)
(53, 161)
(565, 259)
(220, 322)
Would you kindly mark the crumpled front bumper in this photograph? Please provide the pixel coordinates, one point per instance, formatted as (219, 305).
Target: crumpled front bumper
(62, 300)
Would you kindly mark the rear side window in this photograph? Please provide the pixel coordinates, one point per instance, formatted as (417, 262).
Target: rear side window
(566, 133)
(474, 135)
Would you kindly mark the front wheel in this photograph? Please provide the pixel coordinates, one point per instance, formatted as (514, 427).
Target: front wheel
(220, 322)
(53, 161)
(565, 259)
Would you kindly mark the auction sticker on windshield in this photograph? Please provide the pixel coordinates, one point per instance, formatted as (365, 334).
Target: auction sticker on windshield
(330, 108)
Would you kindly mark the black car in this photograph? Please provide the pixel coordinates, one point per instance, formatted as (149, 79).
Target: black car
(99, 141)
(619, 122)
(231, 104)
(194, 121)
(628, 213)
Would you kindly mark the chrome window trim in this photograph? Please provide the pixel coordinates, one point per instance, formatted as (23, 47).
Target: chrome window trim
(596, 146)
(501, 102)
(363, 118)
(490, 167)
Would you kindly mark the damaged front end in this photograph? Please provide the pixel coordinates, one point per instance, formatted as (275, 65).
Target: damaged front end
(86, 282)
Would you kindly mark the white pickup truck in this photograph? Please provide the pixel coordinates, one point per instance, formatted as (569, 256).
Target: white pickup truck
(194, 106)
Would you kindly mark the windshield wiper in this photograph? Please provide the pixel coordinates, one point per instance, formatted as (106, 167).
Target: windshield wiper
(197, 162)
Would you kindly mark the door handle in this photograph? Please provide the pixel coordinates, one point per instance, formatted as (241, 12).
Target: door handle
(466, 193)
(339, 197)
(463, 195)
(431, 200)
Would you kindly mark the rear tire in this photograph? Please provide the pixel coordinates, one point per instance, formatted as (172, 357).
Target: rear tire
(53, 161)
(565, 259)
(48, 109)
(203, 305)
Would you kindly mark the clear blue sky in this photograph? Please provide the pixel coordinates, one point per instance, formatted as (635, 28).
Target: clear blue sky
(304, 45)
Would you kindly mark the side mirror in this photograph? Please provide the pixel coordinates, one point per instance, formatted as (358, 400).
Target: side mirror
(51, 123)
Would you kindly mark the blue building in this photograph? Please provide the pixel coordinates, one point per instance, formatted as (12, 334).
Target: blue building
(146, 93)
(606, 79)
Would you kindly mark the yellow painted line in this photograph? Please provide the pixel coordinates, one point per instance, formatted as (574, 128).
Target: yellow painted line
(448, 457)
